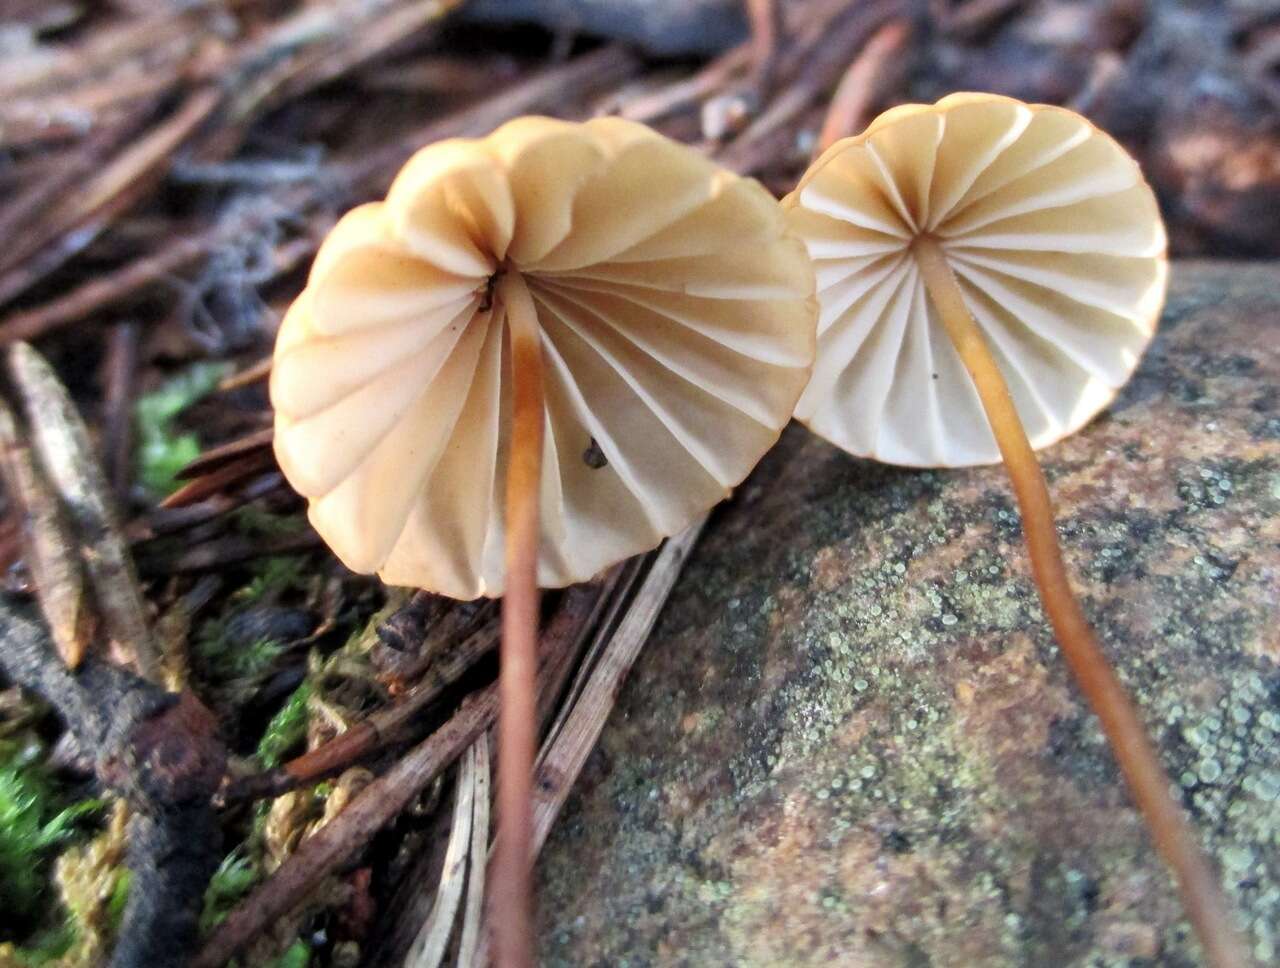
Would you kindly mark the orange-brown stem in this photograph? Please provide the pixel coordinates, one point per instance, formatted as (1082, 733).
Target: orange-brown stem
(1148, 783)
(512, 887)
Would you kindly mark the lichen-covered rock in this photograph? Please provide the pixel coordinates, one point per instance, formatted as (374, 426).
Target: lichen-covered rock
(851, 739)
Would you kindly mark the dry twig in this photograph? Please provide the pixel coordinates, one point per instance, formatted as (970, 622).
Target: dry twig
(385, 798)
(157, 750)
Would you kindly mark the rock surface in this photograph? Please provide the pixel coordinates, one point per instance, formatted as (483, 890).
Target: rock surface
(851, 739)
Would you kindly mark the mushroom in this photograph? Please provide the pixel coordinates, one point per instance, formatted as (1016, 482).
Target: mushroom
(591, 319)
(984, 256)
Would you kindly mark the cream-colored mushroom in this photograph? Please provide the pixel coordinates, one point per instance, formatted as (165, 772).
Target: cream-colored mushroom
(585, 332)
(674, 316)
(1053, 236)
(989, 273)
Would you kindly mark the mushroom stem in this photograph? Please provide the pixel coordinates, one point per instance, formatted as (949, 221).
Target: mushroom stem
(1148, 783)
(513, 884)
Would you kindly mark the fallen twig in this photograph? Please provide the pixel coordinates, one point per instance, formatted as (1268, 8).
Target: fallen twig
(827, 59)
(853, 98)
(565, 754)
(160, 752)
(370, 734)
(384, 799)
(340, 839)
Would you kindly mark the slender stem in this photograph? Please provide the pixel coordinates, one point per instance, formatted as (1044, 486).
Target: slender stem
(1148, 783)
(512, 895)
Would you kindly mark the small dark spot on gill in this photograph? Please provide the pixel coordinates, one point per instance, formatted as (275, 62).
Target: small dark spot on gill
(487, 303)
(594, 457)
(935, 376)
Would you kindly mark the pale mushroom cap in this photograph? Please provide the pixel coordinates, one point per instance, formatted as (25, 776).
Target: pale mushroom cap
(1056, 242)
(677, 319)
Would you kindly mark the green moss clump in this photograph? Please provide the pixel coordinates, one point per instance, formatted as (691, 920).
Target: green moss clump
(287, 728)
(230, 882)
(34, 820)
(162, 450)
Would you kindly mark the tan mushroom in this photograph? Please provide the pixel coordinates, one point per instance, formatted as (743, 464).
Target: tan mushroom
(1056, 242)
(583, 332)
(675, 326)
(989, 273)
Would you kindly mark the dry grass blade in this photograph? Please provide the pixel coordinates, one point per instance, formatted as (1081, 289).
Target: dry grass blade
(335, 843)
(61, 442)
(428, 949)
(562, 759)
(631, 573)
(477, 862)
(576, 617)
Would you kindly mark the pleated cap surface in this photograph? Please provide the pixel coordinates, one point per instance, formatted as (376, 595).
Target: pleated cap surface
(1056, 242)
(677, 320)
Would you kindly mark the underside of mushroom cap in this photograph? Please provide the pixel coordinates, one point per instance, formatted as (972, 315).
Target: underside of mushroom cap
(1056, 242)
(677, 320)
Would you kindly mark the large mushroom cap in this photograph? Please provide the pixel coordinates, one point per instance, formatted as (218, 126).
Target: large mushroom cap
(1056, 242)
(677, 320)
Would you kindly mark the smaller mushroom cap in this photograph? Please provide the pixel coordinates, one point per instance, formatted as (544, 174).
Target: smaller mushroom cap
(677, 319)
(1056, 242)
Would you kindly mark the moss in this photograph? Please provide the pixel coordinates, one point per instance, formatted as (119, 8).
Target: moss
(233, 879)
(287, 728)
(297, 955)
(236, 655)
(273, 578)
(253, 521)
(162, 450)
(94, 888)
(36, 818)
